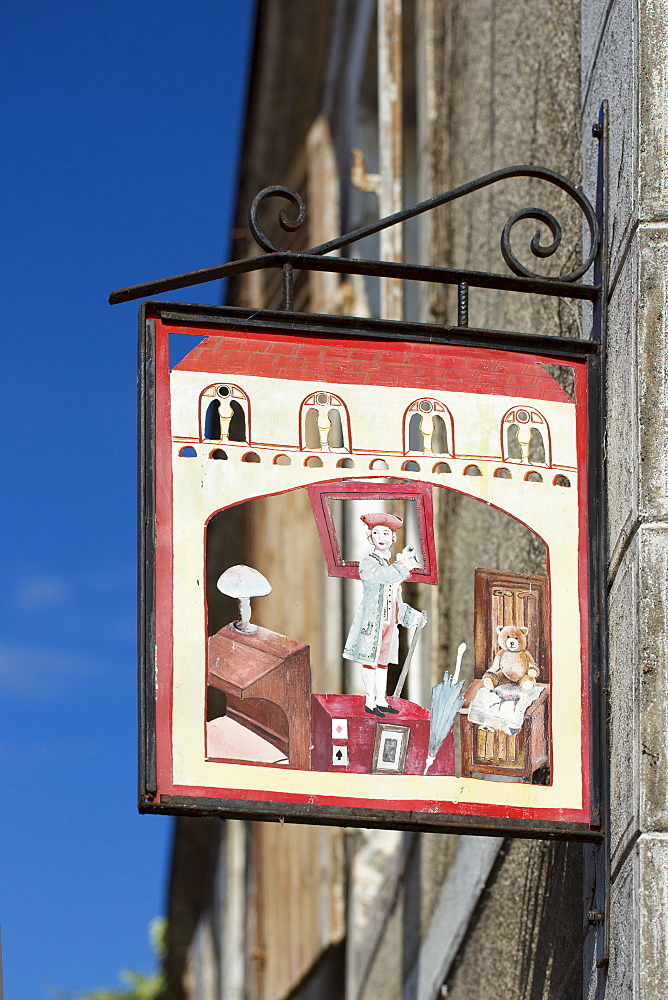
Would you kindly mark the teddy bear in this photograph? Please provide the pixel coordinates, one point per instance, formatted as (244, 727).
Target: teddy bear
(513, 662)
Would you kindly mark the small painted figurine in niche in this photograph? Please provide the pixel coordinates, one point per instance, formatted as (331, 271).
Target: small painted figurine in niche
(373, 639)
(513, 661)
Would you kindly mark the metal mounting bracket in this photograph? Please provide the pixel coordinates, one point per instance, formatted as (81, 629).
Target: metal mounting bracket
(521, 278)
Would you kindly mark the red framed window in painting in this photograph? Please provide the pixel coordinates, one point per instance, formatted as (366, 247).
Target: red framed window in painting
(411, 502)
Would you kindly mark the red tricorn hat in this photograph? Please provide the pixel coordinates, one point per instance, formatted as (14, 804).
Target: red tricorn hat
(386, 520)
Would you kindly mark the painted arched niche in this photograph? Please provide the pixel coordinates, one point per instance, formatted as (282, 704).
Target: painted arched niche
(224, 413)
(428, 428)
(525, 437)
(324, 423)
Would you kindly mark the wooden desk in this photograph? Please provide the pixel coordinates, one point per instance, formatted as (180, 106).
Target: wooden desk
(266, 678)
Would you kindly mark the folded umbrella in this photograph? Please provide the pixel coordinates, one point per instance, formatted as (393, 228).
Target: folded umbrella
(446, 700)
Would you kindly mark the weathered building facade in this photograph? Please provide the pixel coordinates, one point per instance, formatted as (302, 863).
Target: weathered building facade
(269, 911)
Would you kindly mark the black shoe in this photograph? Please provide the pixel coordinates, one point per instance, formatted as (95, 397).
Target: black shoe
(387, 709)
(374, 711)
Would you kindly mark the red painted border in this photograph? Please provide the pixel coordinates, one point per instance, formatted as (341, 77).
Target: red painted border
(581, 411)
(164, 608)
(164, 561)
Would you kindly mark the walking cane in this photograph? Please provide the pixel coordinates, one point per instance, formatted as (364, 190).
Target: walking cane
(409, 656)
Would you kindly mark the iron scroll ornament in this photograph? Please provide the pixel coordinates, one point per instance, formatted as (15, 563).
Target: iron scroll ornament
(538, 249)
(521, 278)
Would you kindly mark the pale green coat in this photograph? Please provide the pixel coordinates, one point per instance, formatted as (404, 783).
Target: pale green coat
(363, 642)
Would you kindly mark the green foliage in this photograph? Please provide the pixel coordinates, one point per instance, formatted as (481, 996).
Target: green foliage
(139, 985)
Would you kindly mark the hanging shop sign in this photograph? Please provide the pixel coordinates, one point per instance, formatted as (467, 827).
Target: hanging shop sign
(370, 566)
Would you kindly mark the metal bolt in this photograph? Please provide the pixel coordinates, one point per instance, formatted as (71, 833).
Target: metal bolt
(594, 917)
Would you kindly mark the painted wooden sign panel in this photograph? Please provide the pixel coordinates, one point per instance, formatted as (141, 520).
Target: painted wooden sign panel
(319, 640)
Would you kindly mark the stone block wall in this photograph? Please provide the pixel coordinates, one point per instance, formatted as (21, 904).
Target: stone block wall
(625, 61)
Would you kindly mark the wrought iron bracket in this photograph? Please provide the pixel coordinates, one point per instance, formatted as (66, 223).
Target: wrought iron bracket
(521, 278)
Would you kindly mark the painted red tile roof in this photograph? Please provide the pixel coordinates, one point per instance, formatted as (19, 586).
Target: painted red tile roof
(434, 368)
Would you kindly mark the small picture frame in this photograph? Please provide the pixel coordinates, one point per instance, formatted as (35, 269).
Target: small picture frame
(389, 752)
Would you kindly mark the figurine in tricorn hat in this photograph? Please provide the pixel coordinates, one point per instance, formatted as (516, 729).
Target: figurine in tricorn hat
(373, 639)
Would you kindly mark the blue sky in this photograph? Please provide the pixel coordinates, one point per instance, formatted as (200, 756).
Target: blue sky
(121, 124)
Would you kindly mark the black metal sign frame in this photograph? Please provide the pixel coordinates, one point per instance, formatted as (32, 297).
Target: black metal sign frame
(591, 350)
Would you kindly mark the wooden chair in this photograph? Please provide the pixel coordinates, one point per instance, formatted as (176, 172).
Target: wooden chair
(521, 600)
